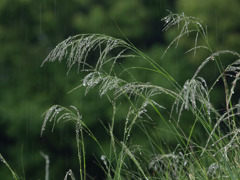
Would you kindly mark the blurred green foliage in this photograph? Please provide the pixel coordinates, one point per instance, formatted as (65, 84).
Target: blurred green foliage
(30, 29)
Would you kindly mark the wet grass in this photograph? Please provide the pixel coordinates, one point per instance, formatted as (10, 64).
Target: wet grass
(212, 156)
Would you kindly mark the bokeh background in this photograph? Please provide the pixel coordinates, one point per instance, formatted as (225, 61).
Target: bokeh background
(30, 29)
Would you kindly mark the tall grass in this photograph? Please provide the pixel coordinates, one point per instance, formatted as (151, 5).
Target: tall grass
(14, 175)
(214, 156)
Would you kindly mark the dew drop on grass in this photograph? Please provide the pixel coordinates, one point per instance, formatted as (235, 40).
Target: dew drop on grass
(167, 19)
(103, 158)
(185, 163)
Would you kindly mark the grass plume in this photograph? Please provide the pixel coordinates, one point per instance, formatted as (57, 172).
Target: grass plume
(213, 156)
(189, 159)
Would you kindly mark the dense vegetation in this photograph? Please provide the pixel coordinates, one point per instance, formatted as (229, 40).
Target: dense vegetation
(148, 87)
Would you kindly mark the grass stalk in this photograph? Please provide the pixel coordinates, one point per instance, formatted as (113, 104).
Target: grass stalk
(189, 158)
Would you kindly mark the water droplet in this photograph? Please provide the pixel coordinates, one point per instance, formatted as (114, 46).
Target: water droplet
(167, 19)
(185, 163)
